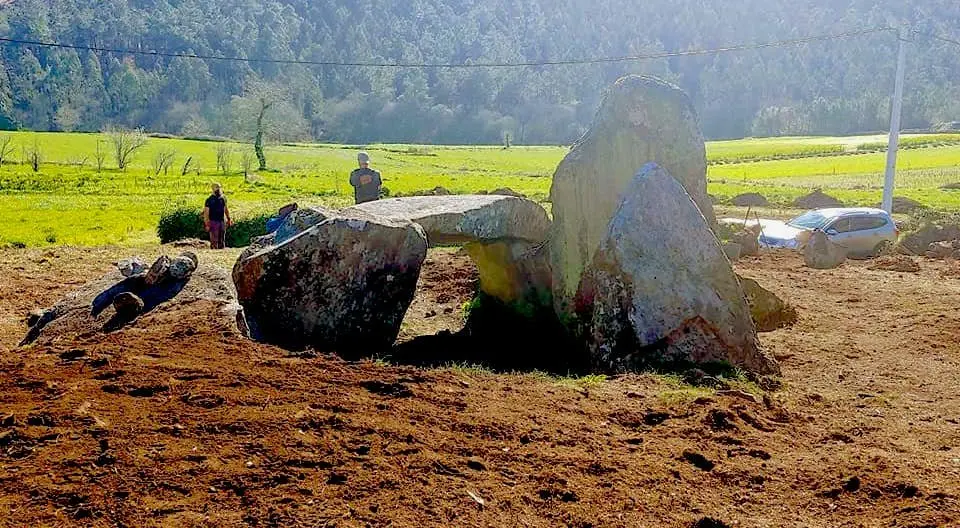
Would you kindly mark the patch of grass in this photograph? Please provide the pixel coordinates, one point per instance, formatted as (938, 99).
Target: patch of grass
(85, 207)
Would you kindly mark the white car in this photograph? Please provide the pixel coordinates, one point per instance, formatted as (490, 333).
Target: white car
(861, 231)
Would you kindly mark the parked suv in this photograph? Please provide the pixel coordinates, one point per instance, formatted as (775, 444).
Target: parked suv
(861, 231)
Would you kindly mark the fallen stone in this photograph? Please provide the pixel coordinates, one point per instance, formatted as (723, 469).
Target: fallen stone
(660, 290)
(940, 250)
(34, 317)
(504, 235)
(128, 306)
(342, 286)
(820, 253)
(641, 120)
(132, 266)
(206, 297)
(769, 311)
(182, 267)
(158, 272)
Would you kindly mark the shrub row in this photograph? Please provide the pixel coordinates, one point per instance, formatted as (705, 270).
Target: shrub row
(183, 223)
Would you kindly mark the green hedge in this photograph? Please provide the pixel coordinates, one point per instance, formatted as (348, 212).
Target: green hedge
(183, 223)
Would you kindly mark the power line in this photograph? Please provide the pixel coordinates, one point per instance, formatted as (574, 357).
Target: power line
(599, 60)
(938, 37)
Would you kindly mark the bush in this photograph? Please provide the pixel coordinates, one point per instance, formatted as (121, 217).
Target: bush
(185, 222)
(180, 224)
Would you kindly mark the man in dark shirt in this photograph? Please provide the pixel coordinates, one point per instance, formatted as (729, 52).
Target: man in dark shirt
(216, 217)
(366, 182)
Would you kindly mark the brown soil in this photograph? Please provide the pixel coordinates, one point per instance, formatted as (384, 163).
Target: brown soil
(898, 263)
(176, 425)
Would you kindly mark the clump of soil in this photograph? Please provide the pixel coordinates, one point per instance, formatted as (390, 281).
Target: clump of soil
(904, 205)
(817, 200)
(898, 263)
(507, 191)
(919, 241)
(750, 200)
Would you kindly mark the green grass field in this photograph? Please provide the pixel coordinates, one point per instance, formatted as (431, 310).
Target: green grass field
(68, 202)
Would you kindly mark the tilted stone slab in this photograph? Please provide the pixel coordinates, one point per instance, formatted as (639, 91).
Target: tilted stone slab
(641, 120)
(466, 218)
(660, 289)
(504, 235)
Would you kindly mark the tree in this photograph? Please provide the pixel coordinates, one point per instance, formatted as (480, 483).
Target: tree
(162, 160)
(246, 163)
(35, 156)
(255, 115)
(6, 147)
(224, 157)
(125, 144)
(100, 155)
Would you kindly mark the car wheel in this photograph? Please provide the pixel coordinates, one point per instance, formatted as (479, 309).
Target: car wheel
(883, 248)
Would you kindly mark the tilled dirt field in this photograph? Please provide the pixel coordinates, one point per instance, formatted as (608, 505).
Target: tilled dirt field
(169, 423)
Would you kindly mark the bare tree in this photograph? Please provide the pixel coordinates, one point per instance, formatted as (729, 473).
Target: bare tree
(35, 156)
(125, 144)
(224, 157)
(6, 147)
(246, 163)
(162, 161)
(100, 155)
(186, 166)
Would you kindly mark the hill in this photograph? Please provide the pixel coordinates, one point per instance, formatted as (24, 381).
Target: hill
(833, 87)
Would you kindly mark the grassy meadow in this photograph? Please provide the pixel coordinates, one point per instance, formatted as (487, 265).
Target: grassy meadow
(68, 201)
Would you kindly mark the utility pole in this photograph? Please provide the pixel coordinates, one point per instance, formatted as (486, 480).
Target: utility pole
(895, 116)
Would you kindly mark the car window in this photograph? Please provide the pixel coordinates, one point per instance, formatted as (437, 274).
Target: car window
(811, 220)
(866, 223)
(841, 226)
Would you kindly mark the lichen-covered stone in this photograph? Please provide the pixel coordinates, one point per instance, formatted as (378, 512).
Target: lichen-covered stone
(341, 286)
(660, 290)
(641, 120)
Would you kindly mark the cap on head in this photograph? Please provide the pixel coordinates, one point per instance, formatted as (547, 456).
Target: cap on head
(363, 157)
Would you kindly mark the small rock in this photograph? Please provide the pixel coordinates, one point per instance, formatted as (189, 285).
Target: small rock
(732, 250)
(476, 465)
(821, 253)
(182, 267)
(852, 485)
(158, 272)
(192, 256)
(132, 266)
(128, 306)
(699, 461)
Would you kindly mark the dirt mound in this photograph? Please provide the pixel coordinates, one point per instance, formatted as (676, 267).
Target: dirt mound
(190, 243)
(919, 241)
(507, 191)
(898, 263)
(817, 200)
(904, 205)
(750, 200)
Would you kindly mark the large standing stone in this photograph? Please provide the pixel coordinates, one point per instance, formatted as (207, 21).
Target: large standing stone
(342, 286)
(820, 253)
(504, 235)
(641, 120)
(660, 290)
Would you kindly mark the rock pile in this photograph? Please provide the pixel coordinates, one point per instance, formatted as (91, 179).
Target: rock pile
(123, 297)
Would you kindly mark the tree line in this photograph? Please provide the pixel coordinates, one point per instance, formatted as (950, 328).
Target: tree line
(833, 87)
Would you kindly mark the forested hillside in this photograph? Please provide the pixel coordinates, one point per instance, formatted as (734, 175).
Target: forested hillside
(834, 87)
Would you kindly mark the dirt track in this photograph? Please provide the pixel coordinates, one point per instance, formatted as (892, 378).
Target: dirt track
(168, 423)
